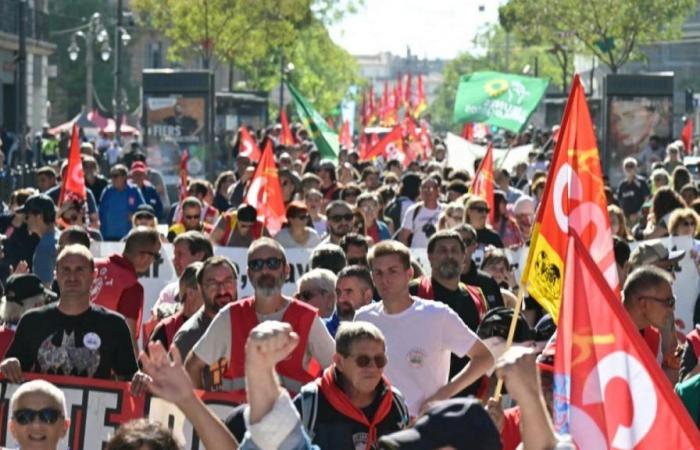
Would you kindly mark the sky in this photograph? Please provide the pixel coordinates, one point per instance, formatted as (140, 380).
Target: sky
(432, 28)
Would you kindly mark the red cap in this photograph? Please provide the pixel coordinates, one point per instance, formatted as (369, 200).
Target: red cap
(138, 166)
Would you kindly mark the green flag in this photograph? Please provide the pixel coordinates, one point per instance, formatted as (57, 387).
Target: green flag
(324, 137)
(499, 99)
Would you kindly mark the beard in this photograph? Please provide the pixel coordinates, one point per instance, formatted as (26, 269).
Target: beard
(450, 268)
(267, 286)
(346, 311)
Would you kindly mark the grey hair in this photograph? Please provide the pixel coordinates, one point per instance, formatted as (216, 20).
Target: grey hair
(40, 387)
(322, 278)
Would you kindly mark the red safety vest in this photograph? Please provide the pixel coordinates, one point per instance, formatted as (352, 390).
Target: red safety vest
(694, 338)
(291, 371)
(114, 275)
(425, 290)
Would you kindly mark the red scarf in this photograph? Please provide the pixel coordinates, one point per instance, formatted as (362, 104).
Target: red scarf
(341, 403)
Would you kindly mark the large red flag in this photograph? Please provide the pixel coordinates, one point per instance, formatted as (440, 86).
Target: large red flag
(687, 136)
(609, 391)
(421, 100)
(265, 192)
(390, 146)
(345, 138)
(73, 182)
(574, 201)
(247, 146)
(482, 185)
(286, 137)
(425, 140)
(408, 94)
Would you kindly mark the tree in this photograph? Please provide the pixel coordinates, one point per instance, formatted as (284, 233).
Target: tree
(613, 31)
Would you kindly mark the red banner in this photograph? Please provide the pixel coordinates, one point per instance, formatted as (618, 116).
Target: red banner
(97, 408)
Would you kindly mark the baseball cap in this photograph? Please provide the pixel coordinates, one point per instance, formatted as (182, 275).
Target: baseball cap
(38, 203)
(497, 321)
(20, 287)
(138, 167)
(459, 422)
(652, 252)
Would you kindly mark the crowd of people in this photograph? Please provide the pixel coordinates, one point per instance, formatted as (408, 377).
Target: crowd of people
(373, 350)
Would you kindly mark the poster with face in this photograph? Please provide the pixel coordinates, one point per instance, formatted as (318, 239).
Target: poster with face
(176, 123)
(632, 121)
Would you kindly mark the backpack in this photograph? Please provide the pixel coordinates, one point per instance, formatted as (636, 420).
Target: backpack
(393, 210)
(413, 219)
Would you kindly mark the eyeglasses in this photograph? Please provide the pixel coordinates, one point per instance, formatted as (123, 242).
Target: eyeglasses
(669, 302)
(339, 217)
(48, 416)
(363, 361)
(480, 209)
(308, 295)
(256, 265)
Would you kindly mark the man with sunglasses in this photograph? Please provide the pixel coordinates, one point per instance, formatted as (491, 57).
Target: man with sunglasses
(339, 216)
(226, 336)
(39, 419)
(649, 300)
(117, 286)
(471, 275)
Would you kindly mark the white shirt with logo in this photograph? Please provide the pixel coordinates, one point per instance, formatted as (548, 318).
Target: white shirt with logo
(419, 342)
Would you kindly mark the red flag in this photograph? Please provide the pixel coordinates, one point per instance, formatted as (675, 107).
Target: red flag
(390, 146)
(609, 391)
(73, 182)
(687, 136)
(247, 145)
(399, 91)
(372, 116)
(364, 116)
(482, 185)
(184, 158)
(345, 138)
(425, 139)
(421, 100)
(412, 141)
(408, 95)
(286, 137)
(573, 201)
(364, 145)
(468, 131)
(265, 192)
(373, 140)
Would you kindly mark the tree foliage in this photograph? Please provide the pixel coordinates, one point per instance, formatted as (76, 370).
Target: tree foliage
(611, 30)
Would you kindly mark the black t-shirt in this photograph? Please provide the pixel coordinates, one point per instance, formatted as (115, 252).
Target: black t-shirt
(631, 195)
(486, 236)
(486, 283)
(95, 343)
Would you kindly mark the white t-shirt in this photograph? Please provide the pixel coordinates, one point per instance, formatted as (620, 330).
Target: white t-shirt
(216, 341)
(425, 216)
(419, 342)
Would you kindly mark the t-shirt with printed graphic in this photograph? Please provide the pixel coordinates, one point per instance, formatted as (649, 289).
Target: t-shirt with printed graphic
(424, 221)
(95, 343)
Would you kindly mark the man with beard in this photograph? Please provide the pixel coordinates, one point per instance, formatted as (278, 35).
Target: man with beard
(353, 290)
(227, 334)
(217, 279)
(339, 215)
(446, 255)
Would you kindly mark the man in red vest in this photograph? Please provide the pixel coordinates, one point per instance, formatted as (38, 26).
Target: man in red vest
(190, 299)
(116, 285)
(226, 336)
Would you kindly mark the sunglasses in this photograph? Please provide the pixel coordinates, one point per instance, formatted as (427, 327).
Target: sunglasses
(195, 217)
(363, 361)
(256, 265)
(339, 217)
(47, 416)
(301, 217)
(481, 209)
(308, 295)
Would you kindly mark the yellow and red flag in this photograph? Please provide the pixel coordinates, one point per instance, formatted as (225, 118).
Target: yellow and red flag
(482, 185)
(247, 145)
(408, 94)
(573, 201)
(609, 391)
(286, 137)
(265, 192)
(687, 136)
(390, 146)
(73, 183)
(421, 100)
(345, 138)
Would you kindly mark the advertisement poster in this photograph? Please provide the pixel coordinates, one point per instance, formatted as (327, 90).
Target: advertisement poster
(176, 123)
(632, 121)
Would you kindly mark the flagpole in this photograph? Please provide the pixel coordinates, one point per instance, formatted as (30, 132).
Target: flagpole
(511, 335)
